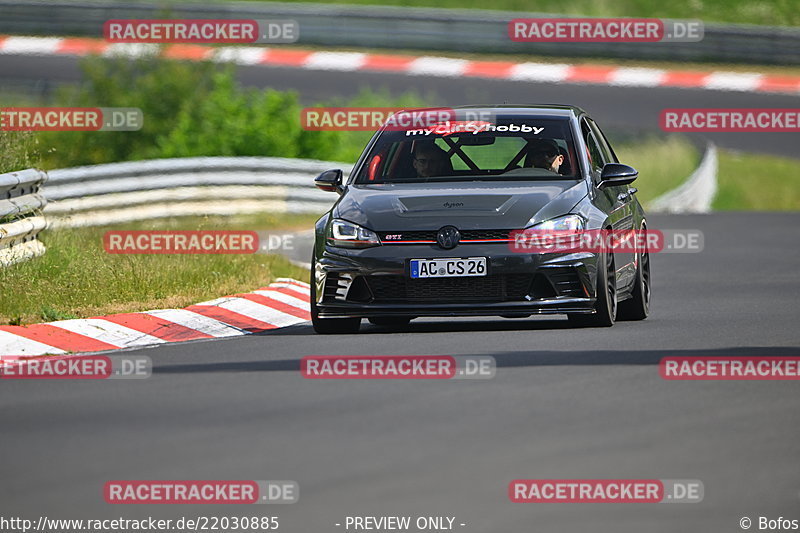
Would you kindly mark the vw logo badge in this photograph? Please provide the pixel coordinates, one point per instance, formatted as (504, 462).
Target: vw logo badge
(448, 237)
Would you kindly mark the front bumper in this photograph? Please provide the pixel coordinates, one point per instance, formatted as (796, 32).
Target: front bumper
(376, 282)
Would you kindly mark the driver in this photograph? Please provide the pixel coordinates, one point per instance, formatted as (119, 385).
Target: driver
(544, 153)
(429, 160)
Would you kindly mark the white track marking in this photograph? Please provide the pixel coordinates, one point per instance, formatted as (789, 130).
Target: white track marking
(108, 332)
(11, 344)
(637, 77)
(302, 291)
(198, 322)
(335, 61)
(437, 66)
(285, 298)
(539, 72)
(245, 55)
(733, 81)
(30, 45)
(260, 312)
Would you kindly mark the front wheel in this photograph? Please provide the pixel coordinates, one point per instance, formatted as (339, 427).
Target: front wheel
(606, 305)
(638, 306)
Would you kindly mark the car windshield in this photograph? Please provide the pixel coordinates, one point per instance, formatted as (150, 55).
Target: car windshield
(508, 148)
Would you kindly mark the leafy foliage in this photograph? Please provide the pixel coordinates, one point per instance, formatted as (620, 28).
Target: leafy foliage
(197, 109)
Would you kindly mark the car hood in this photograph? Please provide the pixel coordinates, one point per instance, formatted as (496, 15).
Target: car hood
(466, 205)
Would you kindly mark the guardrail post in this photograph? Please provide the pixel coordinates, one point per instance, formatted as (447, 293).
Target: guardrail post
(20, 199)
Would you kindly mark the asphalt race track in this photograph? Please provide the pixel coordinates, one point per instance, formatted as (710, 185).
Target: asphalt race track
(626, 110)
(565, 404)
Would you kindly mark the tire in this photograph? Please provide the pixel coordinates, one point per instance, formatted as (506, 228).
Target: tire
(329, 326)
(391, 320)
(637, 307)
(606, 305)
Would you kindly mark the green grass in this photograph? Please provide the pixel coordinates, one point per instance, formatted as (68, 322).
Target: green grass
(770, 12)
(757, 182)
(663, 163)
(76, 278)
(18, 150)
(252, 221)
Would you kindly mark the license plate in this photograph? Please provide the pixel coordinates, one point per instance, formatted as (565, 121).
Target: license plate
(448, 268)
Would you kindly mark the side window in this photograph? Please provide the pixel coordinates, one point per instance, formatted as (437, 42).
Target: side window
(596, 160)
(603, 143)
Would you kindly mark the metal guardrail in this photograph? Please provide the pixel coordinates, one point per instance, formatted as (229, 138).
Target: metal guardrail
(404, 28)
(696, 193)
(20, 225)
(124, 192)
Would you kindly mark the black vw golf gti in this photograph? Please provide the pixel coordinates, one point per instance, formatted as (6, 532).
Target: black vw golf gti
(425, 224)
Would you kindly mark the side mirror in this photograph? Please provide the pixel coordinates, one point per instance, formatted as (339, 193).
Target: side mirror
(616, 174)
(330, 180)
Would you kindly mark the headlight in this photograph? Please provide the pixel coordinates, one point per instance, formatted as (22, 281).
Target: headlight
(565, 223)
(348, 235)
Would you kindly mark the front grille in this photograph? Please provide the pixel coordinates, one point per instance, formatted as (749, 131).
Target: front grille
(484, 234)
(430, 235)
(427, 235)
(492, 288)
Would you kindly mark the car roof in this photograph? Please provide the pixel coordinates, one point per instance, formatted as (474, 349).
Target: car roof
(554, 110)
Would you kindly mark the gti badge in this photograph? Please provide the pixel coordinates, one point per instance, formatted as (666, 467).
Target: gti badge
(448, 237)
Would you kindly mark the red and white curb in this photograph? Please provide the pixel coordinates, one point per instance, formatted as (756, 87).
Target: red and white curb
(413, 65)
(283, 303)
